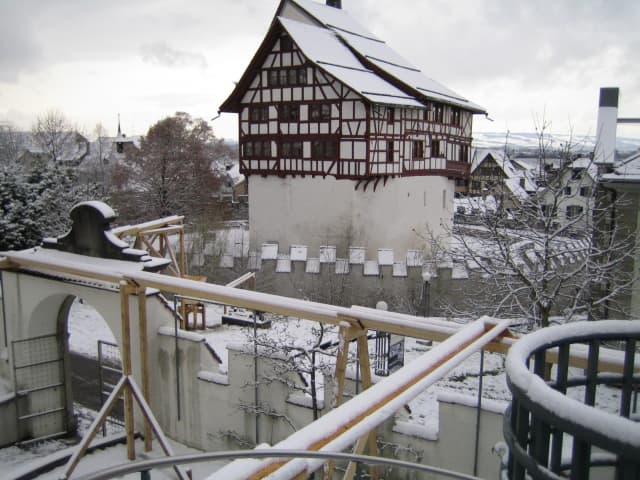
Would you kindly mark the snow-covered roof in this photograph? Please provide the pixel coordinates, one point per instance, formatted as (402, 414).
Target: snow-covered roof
(376, 52)
(626, 171)
(335, 42)
(516, 173)
(324, 48)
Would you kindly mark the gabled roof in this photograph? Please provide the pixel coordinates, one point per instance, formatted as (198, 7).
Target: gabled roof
(331, 39)
(514, 171)
(376, 53)
(323, 47)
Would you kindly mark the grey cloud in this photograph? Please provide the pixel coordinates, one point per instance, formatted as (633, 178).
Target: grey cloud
(159, 53)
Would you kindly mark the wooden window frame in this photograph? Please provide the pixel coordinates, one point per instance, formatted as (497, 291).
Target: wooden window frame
(319, 112)
(256, 149)
(287, 77)
(286, 43)
(436, 149)
(390, 151)
(259, 114)
(463, 153)
(417, 152)
(391, 114)
(456, 116)
(324, 149)
(438, 113)
(291, 149)
(289, 113)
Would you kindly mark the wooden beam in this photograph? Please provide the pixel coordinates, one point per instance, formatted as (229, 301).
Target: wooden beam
(357, 450)
(104, 412)
(141, 227)
(125, 290)
(144, 360)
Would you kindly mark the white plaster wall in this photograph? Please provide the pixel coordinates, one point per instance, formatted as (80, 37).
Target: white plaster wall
(316, 211)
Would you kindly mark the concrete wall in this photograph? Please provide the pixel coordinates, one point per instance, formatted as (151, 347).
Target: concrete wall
(217, 411)
(295, 211)
(36, 305)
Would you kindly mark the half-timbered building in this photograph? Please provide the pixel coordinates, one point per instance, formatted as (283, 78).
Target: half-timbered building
(343, 140)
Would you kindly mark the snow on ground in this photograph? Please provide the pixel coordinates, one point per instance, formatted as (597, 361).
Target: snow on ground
(86, 327)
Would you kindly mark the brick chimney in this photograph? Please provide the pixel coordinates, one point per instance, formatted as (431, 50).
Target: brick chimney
(334, 3)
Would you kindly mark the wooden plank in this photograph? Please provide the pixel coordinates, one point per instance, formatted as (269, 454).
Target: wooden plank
(144, 360)
(141, 227)
(82, 447)
(125, 290)
(150, 417)
(358, 450)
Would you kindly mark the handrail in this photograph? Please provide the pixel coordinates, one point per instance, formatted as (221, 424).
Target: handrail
(164, 462)
(539, 406)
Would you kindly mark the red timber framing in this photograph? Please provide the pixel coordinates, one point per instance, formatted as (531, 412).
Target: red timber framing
(297, 119)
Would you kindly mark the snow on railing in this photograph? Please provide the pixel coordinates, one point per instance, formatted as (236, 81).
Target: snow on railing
(343, 426)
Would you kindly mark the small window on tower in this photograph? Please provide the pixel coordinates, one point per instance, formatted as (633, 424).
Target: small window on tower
(286, 44)
(418, 150)
(435, 148)
(389, 152)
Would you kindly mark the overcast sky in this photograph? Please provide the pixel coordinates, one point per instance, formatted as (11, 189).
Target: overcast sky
(519, 59)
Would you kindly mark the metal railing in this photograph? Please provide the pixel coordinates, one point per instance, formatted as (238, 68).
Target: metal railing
(552, 435)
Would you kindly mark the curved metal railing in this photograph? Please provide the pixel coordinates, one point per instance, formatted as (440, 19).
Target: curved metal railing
(551, 434)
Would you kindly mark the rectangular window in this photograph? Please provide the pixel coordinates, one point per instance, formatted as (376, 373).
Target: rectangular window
(256, 149)
(391, 114)
(456, 117)
(259, 114)
(389, 152)
(291, 149)
(475, 185)
(289, 113)
(435, 148)
(463, 153)
(573, 211)
(273, 78)
(286, 44)
(418, 150)
(567, 191)
(320, 112)
(323, 149)
(428, 108)
(585, 191)
(287, 77)
(438, 113)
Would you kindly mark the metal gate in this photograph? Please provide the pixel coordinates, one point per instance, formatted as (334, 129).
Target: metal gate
(110, 369)
(38, 368)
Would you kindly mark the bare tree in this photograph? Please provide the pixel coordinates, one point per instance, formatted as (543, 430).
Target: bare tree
(172, 173)
(551, 254)
(52, 131)
(11, 142)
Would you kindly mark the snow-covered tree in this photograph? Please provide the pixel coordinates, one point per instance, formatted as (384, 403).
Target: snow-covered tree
(35, 203)
(532, 262)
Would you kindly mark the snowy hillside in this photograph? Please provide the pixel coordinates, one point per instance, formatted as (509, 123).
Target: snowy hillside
(530, 141)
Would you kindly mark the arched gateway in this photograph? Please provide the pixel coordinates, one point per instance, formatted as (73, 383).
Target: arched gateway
(36, 303)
